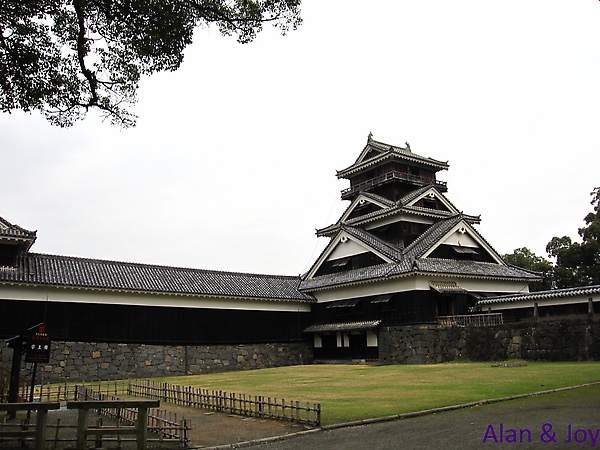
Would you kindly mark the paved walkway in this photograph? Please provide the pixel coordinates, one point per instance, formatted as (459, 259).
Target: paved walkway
(561, 420)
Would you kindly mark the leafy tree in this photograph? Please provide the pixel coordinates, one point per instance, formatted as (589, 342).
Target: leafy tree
(526, 259)
(63, 57)
(578, 264)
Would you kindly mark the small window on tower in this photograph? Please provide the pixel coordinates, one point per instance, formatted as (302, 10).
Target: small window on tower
(340, 262)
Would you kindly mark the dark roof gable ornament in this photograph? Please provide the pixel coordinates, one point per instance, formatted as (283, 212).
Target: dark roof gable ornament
(9, 229)
(14, 241)
(16, 234)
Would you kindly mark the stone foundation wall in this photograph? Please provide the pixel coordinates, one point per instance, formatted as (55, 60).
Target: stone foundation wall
(76, 361)
(564, 340)
(559, 340)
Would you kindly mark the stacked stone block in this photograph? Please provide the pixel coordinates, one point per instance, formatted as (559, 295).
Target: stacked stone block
(563, 340)
(75, 361)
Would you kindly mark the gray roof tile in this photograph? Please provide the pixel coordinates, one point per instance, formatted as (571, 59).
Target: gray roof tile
(350, 276)
(540, 295)
(425, 265)
(431, 236)
(391, 251)
(414, 194)
(345, 326)
(67, 271)
(472, 268)
(386, 212)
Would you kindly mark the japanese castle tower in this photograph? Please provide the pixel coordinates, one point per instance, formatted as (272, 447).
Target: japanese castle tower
(401, 253)
(400, 256)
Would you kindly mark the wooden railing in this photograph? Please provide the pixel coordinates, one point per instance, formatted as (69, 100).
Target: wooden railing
(476, 320)
(390, 176)
(241, 404)
(164, 424)
(39, 429)
(140, 430)
(64, 391)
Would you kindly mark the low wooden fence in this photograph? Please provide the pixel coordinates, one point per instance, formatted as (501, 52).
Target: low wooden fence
(241, 404)
(5, 383)
(164, 423)
(65, 391)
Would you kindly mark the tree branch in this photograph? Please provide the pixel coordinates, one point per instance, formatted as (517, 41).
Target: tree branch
(215, 14)
(82, 53)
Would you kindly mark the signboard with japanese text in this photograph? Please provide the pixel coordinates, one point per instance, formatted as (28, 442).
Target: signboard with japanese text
(38, 346)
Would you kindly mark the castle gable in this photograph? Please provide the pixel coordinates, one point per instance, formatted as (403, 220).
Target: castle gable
(429, 198)
(353, 248)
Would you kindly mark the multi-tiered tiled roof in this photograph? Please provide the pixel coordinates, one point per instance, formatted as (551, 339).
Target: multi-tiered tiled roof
(423, 205)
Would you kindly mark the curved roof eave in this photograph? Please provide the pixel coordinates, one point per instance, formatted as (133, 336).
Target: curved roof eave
(539, 295)
(427, 162)
(471, 270)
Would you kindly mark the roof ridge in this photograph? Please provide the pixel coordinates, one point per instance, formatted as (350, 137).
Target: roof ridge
(12, 226)
(159, 266)
(390, 250)
(389, 204)
(398, 209)
(377, 197)
(415, 193)
(414, 249)
(549, 292)
(389, 147)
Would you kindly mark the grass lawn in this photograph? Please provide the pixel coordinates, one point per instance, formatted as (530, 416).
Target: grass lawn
(352, 392)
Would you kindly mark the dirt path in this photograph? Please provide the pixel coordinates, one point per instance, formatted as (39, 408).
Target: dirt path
(210, 429)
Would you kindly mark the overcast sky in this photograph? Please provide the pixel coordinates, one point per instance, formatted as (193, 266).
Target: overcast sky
(232, 165)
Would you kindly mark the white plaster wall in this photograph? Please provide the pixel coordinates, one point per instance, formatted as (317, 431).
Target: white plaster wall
(54, 294)
(318, 343)
(372, 339)
(345, 249)
(460, 239)
(397, 217)
(417, 282)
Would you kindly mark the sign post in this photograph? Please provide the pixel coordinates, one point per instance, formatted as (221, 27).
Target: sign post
(37, 351)
(16, 343)
(36, 346)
